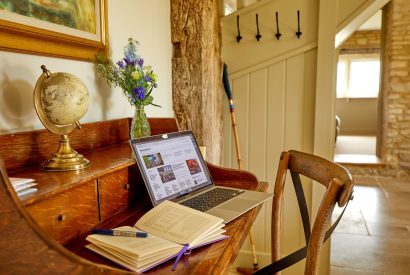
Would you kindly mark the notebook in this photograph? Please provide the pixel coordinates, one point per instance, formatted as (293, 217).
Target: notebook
(174, 169)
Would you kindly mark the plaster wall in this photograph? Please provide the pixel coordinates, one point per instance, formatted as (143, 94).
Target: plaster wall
(358, 116)
(127, 18)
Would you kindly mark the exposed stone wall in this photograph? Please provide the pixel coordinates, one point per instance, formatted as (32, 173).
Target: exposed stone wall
(362, 42)
(395, 142)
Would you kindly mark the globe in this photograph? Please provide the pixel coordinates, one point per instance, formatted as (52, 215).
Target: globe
(61, 100)
(64, 98)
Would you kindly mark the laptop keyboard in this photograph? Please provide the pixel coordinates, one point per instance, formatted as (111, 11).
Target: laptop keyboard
(211, 198)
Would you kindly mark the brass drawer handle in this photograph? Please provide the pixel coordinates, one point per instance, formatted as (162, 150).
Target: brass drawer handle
(127, 186)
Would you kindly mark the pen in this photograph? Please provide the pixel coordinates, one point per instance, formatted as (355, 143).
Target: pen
(120, 233)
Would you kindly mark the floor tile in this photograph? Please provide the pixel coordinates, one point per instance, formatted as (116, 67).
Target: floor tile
(370, 253)
(394, 185)
(335, 270)
(352, 221)
(381, 208)
(365, 180)
(388, 230)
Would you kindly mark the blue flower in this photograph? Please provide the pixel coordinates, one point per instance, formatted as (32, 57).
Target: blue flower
(121, 64)
(130, 52)
(140, 92)
(140, 62)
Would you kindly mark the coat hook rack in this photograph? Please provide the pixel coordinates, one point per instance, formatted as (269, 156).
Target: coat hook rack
(278, 34)
(258, 35)
(298, 33)
(238, 37)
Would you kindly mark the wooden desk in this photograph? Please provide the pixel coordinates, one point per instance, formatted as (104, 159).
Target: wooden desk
(108, 194)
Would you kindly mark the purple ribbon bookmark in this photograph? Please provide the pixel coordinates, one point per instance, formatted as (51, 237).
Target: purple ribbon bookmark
(183, 250)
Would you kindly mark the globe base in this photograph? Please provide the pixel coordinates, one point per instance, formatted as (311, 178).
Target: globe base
(66, 158)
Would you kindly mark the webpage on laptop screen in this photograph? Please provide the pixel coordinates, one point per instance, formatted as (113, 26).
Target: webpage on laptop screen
(172, 166)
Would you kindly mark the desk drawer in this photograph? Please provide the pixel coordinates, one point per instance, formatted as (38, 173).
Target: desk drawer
(69, 214)
(115, 193)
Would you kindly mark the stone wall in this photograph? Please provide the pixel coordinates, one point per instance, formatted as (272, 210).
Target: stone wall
(366, 41)
(395, 86)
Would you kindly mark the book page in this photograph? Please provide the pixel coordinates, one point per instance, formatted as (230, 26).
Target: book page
(134, 247)
(178, 223)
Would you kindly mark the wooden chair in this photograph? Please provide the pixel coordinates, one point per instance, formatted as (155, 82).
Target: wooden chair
(339, 187)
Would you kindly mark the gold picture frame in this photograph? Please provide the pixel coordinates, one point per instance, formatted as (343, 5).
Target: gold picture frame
(50, 39)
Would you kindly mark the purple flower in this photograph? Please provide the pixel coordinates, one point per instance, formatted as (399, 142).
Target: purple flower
(140, 92)
(140, 62)
(147, 78)
(121, 64)
(130, 61)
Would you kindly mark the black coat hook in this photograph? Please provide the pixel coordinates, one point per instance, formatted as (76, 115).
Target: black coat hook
(278, 34)
(258, 35)
(298, 33)
(238, 37)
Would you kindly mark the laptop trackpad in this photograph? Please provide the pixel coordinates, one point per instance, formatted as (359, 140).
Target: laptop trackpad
(235, 205)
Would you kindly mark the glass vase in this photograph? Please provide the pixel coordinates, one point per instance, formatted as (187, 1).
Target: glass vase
(139, 125)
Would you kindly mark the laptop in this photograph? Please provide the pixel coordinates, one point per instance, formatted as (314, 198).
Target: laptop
(173, 169)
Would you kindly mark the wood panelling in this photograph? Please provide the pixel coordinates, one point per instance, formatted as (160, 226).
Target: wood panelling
(30, 148)
(274, 112)
(34, 147)
(69, 214)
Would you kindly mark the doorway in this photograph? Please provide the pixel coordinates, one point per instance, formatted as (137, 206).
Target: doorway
(358, 85)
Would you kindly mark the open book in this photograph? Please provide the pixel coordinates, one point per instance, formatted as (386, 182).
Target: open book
(172, 230)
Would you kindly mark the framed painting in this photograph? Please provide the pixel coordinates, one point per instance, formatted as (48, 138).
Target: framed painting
(73, 29)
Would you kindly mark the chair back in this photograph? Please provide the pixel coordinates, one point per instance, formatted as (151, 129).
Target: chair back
(339, 187)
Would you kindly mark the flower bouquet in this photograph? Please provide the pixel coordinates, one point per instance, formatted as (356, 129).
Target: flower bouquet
(136, 82)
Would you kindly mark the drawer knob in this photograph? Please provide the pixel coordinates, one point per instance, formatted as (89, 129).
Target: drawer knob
(127, 186)
(61, 217)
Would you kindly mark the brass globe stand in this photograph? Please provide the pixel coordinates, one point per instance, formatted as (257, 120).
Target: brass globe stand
(66, 158)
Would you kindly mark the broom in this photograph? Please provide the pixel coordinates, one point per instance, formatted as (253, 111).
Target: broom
(238, 153)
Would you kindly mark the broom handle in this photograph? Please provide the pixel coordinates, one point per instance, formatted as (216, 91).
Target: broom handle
(235, 134)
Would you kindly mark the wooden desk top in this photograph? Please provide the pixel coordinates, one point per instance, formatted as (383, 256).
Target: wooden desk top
(25, 248)
(212, 259)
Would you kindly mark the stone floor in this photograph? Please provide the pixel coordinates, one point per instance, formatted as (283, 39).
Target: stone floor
(374, 234)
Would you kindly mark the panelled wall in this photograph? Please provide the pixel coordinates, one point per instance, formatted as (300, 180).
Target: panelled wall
(274, 112)
(273, 85)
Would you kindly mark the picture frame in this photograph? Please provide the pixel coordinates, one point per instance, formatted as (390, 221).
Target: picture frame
(23, 34)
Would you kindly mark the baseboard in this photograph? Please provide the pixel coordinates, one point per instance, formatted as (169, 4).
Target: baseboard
(357, 132)
(245, 259)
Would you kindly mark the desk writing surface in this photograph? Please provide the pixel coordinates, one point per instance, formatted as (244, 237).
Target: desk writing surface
(106, 145)
(215, 258)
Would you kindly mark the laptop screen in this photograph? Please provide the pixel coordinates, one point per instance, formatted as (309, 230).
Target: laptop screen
(171, 165)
